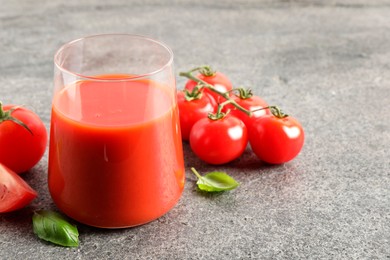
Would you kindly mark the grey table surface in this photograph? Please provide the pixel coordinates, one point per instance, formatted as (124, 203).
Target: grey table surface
(327, 63)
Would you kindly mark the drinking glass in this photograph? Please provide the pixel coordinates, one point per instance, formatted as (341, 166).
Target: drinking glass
(115, 156)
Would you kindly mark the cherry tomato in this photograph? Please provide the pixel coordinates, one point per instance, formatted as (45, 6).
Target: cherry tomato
(276, 140)
(251, 104)
(219, 80)
(21, 149)
(218, 141)
(15, 193)
(191, 111)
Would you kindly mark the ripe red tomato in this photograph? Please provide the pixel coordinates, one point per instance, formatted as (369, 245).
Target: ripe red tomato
(15, 193)
(276, 140)
(218, 141)
(252, 103)
(219, 80)
(20, 149)
(192, 111)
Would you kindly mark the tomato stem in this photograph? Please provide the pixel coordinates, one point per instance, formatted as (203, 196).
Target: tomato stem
(196, 172)
(1, 111)
(244, 93)
(275, 111)
(219, 114)
(205, 70)
(221, 105)
(192, 95)
(203, 84)
(197, 89)
(6, 116)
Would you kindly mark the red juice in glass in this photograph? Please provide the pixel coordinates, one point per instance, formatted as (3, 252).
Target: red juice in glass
(115, 157)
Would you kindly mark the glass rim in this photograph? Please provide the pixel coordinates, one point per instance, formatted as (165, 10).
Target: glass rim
(131, 77)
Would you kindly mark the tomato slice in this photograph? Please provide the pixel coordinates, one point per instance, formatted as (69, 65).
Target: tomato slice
(15, 193)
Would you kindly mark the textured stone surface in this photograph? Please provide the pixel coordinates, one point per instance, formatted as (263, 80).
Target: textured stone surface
(325, 62)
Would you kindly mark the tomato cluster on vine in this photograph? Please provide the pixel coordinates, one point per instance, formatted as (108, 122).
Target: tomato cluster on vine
(219, 121)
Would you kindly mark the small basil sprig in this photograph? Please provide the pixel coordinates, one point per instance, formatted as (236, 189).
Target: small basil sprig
(215, 181)
(51, 226)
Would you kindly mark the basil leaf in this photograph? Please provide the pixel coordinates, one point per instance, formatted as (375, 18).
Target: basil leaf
(215, 181)
(53, 227)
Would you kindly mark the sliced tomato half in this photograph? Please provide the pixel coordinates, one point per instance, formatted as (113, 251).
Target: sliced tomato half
(15, 193)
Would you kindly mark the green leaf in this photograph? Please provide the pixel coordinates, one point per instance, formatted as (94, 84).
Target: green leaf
(215, 181)
(53, 227)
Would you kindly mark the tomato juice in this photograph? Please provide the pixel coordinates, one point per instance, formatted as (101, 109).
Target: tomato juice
(116, 156)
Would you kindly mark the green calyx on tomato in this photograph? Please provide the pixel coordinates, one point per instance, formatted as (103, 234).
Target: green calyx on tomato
(205, 70)
(276, 111)
(7, 116)
(244, 93)
(194, 94)
(219, 114)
